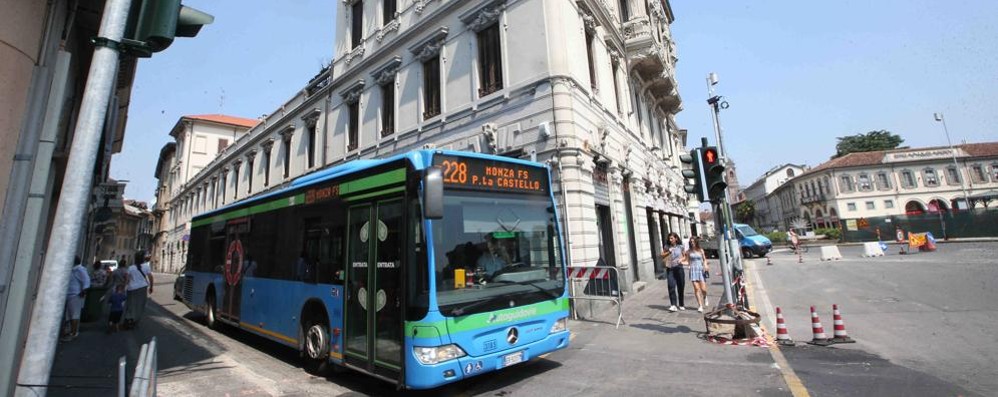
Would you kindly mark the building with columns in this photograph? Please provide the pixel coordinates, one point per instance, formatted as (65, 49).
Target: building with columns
(893, 182)
(768, 213)
(587, 87)
(198, 140)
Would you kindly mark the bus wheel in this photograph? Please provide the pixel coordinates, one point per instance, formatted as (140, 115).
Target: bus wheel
(209, 316)
(315, 349)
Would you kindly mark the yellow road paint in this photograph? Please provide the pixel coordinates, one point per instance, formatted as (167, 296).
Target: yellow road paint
(796, 386)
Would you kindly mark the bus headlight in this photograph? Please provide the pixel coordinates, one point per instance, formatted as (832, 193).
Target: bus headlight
(439, 354)
(560, 325)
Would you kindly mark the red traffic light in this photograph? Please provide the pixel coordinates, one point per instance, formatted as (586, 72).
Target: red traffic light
(709, 156)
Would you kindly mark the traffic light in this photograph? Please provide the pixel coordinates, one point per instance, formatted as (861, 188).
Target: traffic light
(694, 181)
(152, 25)
(713, 173)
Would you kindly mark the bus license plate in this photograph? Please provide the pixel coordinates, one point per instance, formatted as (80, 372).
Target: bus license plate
(512, 359)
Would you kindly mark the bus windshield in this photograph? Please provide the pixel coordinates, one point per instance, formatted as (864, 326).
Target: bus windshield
(495, 250)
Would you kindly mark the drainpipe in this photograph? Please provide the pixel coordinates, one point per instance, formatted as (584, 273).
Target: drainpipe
(36, 364)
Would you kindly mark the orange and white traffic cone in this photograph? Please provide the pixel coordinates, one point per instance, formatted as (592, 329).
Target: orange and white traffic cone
(839, 327)
(782, 336)
(820, 338)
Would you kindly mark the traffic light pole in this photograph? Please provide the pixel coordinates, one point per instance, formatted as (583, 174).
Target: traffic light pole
(727, 252)
(47, 314)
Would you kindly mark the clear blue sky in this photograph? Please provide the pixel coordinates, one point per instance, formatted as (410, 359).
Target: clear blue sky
(796, 74)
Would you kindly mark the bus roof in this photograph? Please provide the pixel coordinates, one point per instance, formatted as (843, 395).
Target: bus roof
(420, 159)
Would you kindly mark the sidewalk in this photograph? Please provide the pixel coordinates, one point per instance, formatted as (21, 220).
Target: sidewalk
(662, 353)
(88, 365)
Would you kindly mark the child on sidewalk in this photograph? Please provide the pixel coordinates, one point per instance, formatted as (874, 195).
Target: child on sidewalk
(116, 298)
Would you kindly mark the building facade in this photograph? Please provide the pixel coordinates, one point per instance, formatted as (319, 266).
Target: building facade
(896, 182)
(768, 215)
(198, 140)
(586, 87)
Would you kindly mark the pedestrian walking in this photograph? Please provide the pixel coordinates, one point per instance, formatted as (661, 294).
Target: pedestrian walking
(98, 275)
(116, 299)
(675, 273)
(79, 281)
(140, 285)
(794, 239)
(120, 275)
(699, 272)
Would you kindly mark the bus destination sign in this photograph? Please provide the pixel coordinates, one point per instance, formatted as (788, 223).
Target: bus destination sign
(490, 175)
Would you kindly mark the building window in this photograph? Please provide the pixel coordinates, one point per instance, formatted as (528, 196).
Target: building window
(845, 183)
(790, 172)
(888, 204)
(871, 205)
(851, 206)
(311, 146)
(389, 8)
(249, 175)
(287, 156)
(356, 23)
(200, 144)
(994, 172)
(883, 182)
(388, 109)
(616, 87)
(931, 179)
(952, 175)
(591, 58)
(489, 61)
(222, 190)
(864, 183)
(431, 87)
(636, 108)
(222, 144)
(625, 11)
(908, 179)
(977, 173)
(354, 127)
(235, 181)
(266, 167)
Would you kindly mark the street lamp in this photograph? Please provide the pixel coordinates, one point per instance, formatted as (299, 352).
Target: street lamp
(939, 117)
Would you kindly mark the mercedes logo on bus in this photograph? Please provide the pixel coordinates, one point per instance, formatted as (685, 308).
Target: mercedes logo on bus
(512, 335)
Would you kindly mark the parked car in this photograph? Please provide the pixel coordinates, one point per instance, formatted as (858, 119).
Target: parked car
(109, 264)
(750, 242)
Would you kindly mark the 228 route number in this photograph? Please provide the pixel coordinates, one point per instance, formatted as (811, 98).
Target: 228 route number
(455, 172)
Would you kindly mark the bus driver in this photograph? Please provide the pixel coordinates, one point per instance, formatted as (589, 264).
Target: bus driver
(495, 258)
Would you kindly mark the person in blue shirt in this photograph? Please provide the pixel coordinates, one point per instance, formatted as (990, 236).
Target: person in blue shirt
(116, 301)
(79, 281)
(494, 258)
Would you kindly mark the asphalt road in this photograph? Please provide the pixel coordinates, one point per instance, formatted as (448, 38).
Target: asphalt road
(924, 322)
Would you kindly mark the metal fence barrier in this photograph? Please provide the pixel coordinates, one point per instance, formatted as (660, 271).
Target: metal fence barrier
(144, 379)
(593, 284)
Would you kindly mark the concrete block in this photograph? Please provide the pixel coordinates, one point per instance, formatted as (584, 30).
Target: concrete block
(871, 249)
(830, 252)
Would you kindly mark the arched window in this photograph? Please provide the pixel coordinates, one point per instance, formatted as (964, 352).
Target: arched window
(790, 172)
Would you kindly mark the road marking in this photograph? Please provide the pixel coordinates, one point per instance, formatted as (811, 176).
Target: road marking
(796, 386)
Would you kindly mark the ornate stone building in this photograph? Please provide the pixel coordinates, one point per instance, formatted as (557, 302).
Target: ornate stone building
(587, 87)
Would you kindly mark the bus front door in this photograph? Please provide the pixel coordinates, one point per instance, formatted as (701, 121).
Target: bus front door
(373, 329)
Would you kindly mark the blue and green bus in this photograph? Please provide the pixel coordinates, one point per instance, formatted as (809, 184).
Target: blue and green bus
(420, 269)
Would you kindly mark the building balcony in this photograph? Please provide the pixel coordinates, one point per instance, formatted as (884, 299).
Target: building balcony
(647, 56)
(817, 198)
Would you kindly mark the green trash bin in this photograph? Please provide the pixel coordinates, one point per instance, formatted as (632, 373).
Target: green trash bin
(93, 308)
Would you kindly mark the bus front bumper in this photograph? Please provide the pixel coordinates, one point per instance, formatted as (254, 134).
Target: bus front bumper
(421, 376)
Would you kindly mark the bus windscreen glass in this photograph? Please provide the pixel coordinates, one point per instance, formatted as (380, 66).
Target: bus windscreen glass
(495, 251)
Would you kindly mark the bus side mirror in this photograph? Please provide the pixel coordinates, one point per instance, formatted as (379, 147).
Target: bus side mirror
(433, 193)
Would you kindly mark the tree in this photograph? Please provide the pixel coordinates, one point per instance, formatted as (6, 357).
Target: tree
(869, 142)
(745, 211)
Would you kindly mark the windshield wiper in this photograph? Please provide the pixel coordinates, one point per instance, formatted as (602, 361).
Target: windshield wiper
(530, 283)
(461, 310)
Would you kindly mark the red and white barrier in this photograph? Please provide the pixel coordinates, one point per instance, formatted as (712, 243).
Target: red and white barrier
(585, 272)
